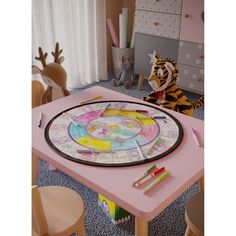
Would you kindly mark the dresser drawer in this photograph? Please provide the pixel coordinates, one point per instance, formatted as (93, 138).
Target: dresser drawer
(192, 25)
(191, 54)
(155, 23)
(191, 78)
(146, 44)
(168, 6)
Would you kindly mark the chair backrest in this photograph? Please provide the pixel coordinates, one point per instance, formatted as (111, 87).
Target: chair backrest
(37, 92)
(39, 222)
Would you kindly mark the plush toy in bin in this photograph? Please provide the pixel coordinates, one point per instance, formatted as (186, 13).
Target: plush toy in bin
(126, 74)
(165, 92)
(53, 74)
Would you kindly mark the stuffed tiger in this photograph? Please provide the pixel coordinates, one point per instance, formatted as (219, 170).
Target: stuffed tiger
(165, 92)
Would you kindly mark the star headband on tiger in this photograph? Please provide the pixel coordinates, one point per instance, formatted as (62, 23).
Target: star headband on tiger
(170, 68)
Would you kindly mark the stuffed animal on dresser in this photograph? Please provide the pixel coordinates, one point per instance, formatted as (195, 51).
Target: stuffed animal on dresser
(125, 75)
(165, 91)
(53, 74)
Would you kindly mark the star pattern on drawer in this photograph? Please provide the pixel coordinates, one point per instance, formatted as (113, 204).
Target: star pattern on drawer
(168, 6)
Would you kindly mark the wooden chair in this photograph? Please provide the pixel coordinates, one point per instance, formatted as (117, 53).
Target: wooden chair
(57, 211)
(201, 183)
(194, 215)
(37, 91)
(140, 82)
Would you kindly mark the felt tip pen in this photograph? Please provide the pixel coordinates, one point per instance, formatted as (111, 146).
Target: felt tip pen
(195, 137)
(159, 117)
(156, 172)
(148, 151)
(90, 151)
(140, 111)
(40, 120)
(69, 118)
(104, 109)
(139, 149)
(91, 99)
(159, 179)
(144, 174)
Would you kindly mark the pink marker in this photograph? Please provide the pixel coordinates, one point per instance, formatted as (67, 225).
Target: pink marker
(141, 111)
(158, 171)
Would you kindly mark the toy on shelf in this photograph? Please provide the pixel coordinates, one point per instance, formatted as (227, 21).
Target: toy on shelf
(115, 213)
(126, 74)
(53, 74)
(165, 91)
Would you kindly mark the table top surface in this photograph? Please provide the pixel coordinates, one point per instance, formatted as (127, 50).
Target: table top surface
(185, 164)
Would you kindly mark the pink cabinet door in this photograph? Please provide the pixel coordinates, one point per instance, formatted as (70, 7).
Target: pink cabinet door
(192, 25)
(191, 78)
(157, 23)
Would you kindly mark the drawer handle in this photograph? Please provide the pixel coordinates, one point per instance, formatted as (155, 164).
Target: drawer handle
(156, 23)
(187, 15)
(200, 80)
(202, 56)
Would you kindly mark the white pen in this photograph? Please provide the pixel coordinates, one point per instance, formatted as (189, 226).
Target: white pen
(68, 117)
(108, 104)
(148, 151)
(40, 120)
(156, 181)
(156, 172)
(139, 149)
(195, 137)
(147, 172)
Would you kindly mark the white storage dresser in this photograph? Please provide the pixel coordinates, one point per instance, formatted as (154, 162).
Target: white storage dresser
(174, 29)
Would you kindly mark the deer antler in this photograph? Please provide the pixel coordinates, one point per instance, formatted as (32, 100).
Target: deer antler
(42, 57)
(56, 54)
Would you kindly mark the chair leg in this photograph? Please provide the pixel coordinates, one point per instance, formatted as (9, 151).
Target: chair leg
(140, 82)
(201, 183)
(35, 164)
(188, 232)
(81, 229)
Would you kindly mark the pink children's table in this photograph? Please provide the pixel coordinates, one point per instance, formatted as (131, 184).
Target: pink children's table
(185, 164)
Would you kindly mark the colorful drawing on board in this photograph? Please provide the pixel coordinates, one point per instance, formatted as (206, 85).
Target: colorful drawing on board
(113, 133)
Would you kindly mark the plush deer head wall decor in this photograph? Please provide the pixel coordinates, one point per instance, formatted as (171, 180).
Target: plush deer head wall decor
(53, 74)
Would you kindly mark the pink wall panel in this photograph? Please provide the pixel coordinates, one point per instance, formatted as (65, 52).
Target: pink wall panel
(192, 25)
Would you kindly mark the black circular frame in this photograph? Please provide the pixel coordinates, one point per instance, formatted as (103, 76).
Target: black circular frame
(171, 149)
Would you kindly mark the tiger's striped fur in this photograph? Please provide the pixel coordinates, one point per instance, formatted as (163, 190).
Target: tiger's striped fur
(165, 91)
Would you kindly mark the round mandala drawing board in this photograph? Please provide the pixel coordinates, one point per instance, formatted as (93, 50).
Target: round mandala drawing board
(113, 133)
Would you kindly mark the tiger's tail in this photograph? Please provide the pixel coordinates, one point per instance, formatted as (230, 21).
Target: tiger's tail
(198, 103)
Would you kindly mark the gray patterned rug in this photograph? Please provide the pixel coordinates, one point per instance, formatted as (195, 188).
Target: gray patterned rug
(170, 222)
